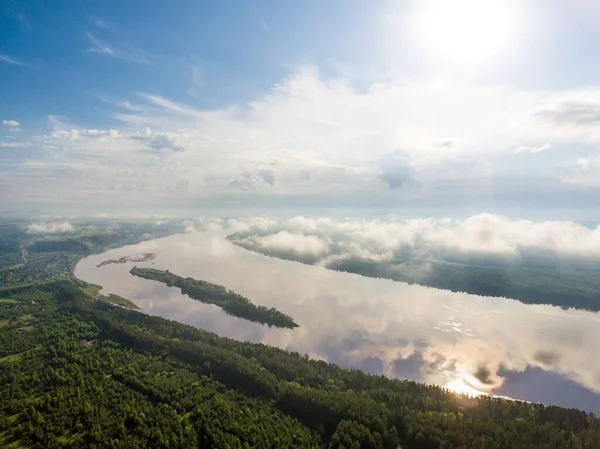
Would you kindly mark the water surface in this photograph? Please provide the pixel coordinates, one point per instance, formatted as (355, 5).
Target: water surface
(465, 342)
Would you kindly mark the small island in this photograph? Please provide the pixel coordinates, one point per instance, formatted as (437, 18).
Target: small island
(143, 258)
(231, 302)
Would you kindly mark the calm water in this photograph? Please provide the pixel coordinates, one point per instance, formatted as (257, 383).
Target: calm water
(465, 342)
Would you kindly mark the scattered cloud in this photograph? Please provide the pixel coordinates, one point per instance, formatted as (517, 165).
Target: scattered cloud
(102, 48)
(317, 140)
(524, 149)
(158, 142)
(171, 106)
(586, 173)
(251, 180)
(572, 112)
(101, 24)
(12, 144)
(11, 60)
(75, 134)
(163, 142)
(49, 228)
(12, 124)
(590, 162)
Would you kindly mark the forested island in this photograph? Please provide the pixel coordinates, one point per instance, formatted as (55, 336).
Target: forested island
(232, 303)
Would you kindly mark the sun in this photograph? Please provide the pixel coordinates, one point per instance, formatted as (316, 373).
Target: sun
(464, 31)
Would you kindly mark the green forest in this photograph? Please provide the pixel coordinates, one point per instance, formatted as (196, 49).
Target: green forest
(206, 292)
(77, 372)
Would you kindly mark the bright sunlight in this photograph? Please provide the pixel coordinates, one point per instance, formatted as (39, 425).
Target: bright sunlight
(466, 32)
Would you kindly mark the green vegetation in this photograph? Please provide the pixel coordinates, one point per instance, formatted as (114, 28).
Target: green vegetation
(93, 291)
(29, 259)
(579, 288)
(118, 301)
(143, 258)
(231, 302)
(94, 375)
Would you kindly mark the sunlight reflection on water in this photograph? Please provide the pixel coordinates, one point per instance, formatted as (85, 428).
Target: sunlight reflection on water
(468, 343)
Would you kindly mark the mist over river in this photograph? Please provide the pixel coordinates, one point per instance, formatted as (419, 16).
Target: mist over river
(470, 344)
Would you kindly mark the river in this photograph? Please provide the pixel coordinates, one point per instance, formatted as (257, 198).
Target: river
(468, 343)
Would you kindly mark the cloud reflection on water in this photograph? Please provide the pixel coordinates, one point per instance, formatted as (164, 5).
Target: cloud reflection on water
(384, 327)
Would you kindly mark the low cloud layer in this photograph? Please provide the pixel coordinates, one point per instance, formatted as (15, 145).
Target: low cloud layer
(49, 228)
(487, 235)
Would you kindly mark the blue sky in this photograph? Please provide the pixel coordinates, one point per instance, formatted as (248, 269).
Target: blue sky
(158, 106)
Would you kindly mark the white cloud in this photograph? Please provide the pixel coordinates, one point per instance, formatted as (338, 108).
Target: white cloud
(298, 243)
(11, 123)
(523, 149)
(309, 136)
(100, 47)
(101, 24)
(380, 240)
(49, 228)
(75, 134)
(171, 106)
(11, 60)
(589, 162)
(587, 172)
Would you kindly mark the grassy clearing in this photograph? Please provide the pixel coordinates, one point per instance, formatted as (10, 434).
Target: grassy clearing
(8, 301)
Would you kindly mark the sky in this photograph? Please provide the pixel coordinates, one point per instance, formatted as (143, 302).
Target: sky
(433, 107)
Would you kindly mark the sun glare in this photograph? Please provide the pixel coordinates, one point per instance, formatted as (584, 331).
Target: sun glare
(460, 386)
(464, 31)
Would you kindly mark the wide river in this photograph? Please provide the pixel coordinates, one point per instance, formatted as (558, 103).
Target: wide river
(468, 343)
